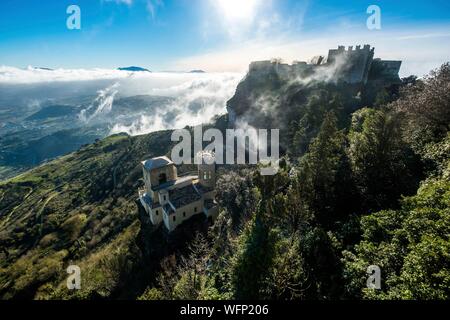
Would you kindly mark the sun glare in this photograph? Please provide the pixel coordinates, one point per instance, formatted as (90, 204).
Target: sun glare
(237, 9)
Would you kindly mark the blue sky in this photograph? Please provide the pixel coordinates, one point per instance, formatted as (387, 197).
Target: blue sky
(216, 35)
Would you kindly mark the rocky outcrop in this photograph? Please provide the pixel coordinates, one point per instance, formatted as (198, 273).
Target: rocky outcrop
(271, 83)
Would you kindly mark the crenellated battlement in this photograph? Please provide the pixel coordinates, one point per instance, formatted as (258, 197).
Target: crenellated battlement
(351, 65)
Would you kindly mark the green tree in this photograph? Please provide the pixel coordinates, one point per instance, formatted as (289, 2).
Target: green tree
(383, 166)
(426, 104)
(410, 245)
(253, 260)
(324, 174)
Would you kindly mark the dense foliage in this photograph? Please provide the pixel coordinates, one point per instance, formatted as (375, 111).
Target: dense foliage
(361, 183)
(372, 189)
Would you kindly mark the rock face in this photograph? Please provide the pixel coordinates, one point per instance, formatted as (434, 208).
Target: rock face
(295, 98)
(355, 69)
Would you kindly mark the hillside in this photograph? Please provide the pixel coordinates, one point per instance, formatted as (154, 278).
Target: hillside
(81, 209)
(359, 184)
(56, 130)
(53, 111)
(77, 208)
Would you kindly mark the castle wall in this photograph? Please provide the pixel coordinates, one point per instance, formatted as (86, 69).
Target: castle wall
(148, 185)
(385, 69)
(156, 215)
(146, 207)
(209, 195)
(212, 212)
(190, 210)
(353, 64)
(163, 197)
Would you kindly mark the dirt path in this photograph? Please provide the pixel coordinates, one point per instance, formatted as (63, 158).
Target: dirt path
(39, 215)
(7, 218)
(4, 221)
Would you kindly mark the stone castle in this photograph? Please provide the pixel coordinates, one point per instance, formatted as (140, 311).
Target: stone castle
(353, 65)
(171, 199)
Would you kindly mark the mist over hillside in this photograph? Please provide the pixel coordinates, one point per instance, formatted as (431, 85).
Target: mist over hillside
(356, 180)
(46, 113)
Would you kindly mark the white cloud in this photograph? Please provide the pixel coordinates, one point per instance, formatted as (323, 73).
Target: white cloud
(424, 36)
(420, 49)
(196, 97)
(197, 100)
(12, 75)
(101, 105)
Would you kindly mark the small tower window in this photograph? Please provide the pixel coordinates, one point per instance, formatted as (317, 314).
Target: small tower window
(164, 198)
(184, 214)
(157, 213)
(205, 175)
(195, 209)
(174, 218)
(162, 178)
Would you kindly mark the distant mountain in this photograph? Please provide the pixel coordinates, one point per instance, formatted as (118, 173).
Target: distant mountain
(197, 71)
(133, 69)
(43, 68)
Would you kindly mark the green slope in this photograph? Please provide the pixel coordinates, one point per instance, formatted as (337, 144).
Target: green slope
(79, 209)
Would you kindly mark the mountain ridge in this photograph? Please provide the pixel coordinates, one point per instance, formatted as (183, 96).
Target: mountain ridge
(133, 69)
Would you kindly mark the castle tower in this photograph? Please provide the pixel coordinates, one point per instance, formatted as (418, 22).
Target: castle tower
(207, 169)
(353, 64)
(158, 171)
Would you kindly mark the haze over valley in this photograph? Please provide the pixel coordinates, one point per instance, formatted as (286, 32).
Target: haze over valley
(47, 113)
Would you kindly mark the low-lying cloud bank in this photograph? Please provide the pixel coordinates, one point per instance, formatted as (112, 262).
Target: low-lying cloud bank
(197, 101)
(195, 98)
(29, 75)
